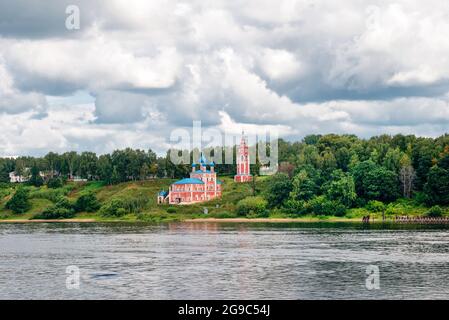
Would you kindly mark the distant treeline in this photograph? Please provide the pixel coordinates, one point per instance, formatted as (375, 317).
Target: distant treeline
(330, 169)
(118, 166)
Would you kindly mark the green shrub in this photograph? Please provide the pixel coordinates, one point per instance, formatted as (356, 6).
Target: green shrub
(295, 206)
(55, 212)
(171, 210)
(113, 208)
(322, 206)
(375, 206)
(252, 206)
(19, 203)
(133, 204)
(62, 209)
(55, 183)
(223, 215)
(50, 194)
(87, 203)
(435, 211)
(63, 202)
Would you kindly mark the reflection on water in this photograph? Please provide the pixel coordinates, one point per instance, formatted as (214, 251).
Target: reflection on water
(215, 261)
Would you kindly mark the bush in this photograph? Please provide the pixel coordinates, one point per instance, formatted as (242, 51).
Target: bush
(435, 212)
(322, 206)
(223, 215)
(113, 208)
(55, 183)
(36, 181)
(55, 212)
(295, 206)
(63, 209)
(375, 206)
(87, 203)
(252, 206)
(19, 202)
(171, 210)
(50, 194)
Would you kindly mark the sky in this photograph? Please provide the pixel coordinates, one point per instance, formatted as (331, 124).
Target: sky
(135, 71)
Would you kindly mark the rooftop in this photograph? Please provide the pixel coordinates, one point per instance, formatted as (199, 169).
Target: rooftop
(189, 181)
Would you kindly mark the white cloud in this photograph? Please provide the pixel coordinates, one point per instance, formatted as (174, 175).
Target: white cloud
(299, 66)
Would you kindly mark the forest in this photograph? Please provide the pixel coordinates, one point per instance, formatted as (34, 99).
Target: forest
(319, 175)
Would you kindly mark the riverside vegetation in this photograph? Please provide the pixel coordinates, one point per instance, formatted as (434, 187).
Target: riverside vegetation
(321, 177)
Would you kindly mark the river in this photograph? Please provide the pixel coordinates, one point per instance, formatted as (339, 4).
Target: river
(223, 261)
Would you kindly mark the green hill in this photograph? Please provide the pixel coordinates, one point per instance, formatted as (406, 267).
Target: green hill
(139, 197)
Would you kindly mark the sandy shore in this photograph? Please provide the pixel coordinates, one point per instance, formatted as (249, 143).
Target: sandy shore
(41, 220)
(239, 220)
(215, 220)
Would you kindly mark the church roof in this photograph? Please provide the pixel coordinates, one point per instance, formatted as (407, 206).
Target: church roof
(189, 181)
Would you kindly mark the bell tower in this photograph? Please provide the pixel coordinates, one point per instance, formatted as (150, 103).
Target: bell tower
(243, 168)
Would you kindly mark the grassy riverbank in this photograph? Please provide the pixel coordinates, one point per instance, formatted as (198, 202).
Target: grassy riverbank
(140, 196)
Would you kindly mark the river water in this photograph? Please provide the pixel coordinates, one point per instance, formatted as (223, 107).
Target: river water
(223, 261)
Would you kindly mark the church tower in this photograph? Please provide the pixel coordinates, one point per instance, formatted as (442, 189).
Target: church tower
(243, 169)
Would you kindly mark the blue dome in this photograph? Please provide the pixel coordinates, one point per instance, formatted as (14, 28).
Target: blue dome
(212, 164)
(193, 164)
(163, 193)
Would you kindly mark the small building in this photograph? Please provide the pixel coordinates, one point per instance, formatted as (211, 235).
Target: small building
(14, 178)
(202, 185)
(243, 164)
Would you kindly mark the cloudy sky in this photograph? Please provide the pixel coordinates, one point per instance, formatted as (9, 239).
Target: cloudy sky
(136, 70)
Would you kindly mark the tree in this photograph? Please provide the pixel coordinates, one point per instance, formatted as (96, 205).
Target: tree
(71, 159)
(341, 188)
(87, 165)
(104, 168)
(436, 188)
(144, 171)
(54, 183)
(287, 168)
(19, 202)
(53, 162)
(115, 177)
(305, 184)
(252, 205)
(374, 182)
(406, 176)
(87, 203)
(278, 189)
(20, 169)
(35, 179)
(4, 173)
(392, 160)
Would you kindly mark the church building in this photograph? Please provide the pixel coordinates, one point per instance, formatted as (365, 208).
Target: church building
(243, 168)
(202, 185)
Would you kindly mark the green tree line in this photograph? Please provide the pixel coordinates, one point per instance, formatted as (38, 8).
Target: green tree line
(320, 172)
(330, 173)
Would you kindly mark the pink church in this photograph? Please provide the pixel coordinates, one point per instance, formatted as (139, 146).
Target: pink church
(243, 168)
(202, 185)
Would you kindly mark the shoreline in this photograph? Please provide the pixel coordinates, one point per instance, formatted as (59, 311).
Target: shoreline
(198, 220)
(46, 221)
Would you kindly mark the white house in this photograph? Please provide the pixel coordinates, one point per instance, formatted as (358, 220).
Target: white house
(13, 178)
